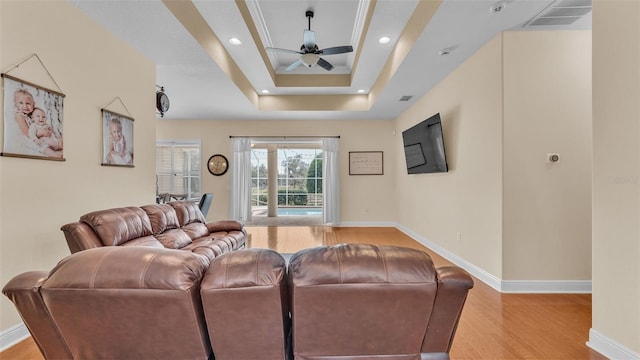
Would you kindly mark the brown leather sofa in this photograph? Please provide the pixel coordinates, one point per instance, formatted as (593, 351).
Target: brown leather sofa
(343, 302)
(373, 302)
(174, 225)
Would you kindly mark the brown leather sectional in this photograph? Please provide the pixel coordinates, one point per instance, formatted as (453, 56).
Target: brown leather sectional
(174, 225)
(354, 301)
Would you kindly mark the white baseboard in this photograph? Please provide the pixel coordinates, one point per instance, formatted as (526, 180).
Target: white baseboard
(609, 348)
(504, 286)
(472, 269)
(547, 286)
(367, 224)
(13, 335)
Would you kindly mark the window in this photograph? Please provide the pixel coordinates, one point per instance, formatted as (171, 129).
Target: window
(178, 166)
(299, 179)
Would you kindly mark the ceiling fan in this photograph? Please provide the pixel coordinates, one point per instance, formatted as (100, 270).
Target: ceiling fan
(310, 54)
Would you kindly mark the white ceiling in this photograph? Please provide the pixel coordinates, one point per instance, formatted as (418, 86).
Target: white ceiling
(199, 88)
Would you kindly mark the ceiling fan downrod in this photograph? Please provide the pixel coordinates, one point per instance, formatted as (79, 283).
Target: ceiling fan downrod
(309, 15)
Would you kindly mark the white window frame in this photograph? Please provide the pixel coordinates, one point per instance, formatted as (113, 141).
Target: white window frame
(182, 142)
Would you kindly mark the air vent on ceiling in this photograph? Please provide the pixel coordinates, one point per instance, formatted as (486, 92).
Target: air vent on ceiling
(561, 12)
(406, 98)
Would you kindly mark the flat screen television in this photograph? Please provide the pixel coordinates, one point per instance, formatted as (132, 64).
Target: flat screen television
(424, 147)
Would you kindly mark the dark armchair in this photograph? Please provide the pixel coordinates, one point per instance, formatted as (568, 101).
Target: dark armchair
(205, 203)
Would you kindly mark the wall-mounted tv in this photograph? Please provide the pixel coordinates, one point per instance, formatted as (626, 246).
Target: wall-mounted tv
(424, 147)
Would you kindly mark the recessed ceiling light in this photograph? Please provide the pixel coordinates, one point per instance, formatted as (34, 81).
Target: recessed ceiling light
(265, 91)
(235, 41)
(362, 91)
(384, 40)
(445, 52)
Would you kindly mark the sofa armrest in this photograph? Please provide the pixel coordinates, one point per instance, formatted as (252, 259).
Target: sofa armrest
(453, 286)
(244, 295)
(225, 225)
(80, 236)
(24, 291)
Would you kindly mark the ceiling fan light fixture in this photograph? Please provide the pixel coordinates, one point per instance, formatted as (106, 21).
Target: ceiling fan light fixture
(309, 59)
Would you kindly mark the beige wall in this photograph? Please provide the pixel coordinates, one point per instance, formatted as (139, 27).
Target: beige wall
(361, 199)
(547, 109)
(92, 68)
(502, 207)
(37, 196)
(616, 168)
(467, 199)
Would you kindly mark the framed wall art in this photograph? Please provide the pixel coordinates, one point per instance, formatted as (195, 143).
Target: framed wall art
(117, 139)
(33, 118)
(365, 163)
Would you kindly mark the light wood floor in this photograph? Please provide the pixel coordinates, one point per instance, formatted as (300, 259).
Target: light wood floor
(493, 325)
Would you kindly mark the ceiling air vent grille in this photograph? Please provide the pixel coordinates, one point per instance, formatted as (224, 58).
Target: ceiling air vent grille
(561, 12)
(406, 98)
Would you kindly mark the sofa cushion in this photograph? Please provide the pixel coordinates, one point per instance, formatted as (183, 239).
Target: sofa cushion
(148, 241)
(117, 226)
(162, 216)
(109, 268)
(361, 263)
(195, 230)
(188, 212)
(174, 239)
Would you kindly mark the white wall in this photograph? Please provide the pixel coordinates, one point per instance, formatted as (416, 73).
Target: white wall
(616, 169)
(467, 199)
(502, 208)
(362, 200)
(37, 197)
(92, 68)
(547, 109)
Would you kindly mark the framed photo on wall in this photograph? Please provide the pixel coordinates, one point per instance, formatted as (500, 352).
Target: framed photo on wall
(365, 163)
(33, 120)
(117, 139)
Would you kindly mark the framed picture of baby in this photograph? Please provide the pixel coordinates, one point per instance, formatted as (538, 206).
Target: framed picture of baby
(117, 140)
(33, 120)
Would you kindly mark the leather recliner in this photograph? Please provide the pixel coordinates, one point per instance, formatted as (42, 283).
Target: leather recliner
(245, 300)
(341, 302)
(373, 302)
(116, 303)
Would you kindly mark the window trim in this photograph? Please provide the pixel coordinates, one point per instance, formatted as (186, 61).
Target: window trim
(183, 142)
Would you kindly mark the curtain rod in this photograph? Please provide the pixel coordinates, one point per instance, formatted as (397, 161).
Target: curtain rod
(285, 137)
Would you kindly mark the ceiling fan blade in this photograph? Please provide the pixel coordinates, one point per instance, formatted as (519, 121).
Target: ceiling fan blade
(284, 50)
(309, 40)
(294, 65)
(324, 64)
(336, 50)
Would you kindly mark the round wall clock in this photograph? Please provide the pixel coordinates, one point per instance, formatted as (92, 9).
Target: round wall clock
(162, 102)
(218, 164)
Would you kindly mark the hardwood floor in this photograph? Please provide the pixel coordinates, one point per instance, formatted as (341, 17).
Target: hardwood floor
(493, 325)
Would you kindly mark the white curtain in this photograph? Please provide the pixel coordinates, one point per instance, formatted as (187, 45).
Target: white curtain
(331, 182)
(240, 200)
